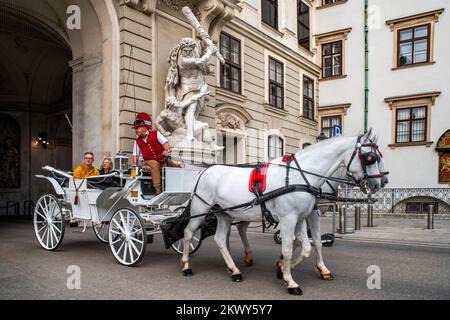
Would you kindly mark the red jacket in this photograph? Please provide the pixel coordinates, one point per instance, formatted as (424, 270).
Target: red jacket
(152, 149)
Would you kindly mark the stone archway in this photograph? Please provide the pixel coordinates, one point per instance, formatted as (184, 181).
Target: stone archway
(55, 74)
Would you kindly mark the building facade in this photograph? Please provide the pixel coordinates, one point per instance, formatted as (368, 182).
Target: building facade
(401, 92)
(74, 75)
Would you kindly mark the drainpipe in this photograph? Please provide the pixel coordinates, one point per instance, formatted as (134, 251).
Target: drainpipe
(366, 66)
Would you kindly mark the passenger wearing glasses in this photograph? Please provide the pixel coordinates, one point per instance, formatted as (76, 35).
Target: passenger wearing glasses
(86, 169)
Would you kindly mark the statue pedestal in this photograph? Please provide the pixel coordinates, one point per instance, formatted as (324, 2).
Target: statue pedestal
(195, 152)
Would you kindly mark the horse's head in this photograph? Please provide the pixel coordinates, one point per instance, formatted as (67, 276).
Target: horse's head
(381, 166)
(364, 165)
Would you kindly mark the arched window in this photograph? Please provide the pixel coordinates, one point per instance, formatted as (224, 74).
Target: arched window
(276, 146)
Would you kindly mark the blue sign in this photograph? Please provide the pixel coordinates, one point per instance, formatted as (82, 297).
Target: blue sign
(337, 130)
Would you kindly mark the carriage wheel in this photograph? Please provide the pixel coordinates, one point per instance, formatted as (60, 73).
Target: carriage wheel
(101, 231)
(49, 222)
(277, 237)
(127, 237)
(196, 241)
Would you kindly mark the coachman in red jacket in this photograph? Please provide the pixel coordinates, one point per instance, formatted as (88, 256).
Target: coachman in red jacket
(153, 147)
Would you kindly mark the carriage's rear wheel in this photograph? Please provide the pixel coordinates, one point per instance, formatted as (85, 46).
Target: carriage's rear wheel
(127, 237)
(49, 222)
(196, 241)
(101, 231)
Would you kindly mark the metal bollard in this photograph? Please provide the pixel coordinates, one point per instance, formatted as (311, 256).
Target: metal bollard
(357, 218)
(430, 224)
(334, 218)
(370, 215)
(342, 222)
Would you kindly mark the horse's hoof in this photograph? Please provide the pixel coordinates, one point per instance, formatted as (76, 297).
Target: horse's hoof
(295, 291)
(188, 273)
(249, 263)
(236, 277)
(327, 277)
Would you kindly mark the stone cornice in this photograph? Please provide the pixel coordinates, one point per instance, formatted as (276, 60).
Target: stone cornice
(430, 15)
(431, 96)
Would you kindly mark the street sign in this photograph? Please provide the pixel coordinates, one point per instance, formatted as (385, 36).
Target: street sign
(337, 130)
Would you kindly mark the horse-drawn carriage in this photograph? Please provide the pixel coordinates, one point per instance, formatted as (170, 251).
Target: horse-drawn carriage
(122, 207)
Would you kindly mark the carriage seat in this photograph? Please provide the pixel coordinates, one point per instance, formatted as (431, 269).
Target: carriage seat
(101, 183)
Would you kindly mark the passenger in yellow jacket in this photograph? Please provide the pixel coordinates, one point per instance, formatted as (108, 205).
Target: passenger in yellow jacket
(86, 169)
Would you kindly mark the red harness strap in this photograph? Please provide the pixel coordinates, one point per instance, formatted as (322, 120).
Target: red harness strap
(258, 175)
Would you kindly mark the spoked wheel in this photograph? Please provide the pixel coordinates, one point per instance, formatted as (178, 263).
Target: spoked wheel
(49, 222)
(196, 241)
(101, 231)
(127, 237)
(277, 237)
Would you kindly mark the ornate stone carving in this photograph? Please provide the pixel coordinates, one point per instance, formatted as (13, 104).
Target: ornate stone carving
(185, 92)
(146, 6)
(229, 121)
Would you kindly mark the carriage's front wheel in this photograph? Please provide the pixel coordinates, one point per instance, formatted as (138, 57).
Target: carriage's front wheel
(127, 237)
(49, 222)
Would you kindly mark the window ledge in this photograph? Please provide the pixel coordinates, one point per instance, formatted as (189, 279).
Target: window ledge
(230, 94)
(308, 121)
(269, 28)
(276, 110)
(331, 4)
(411, 144)
(422, 64)
(343, 76)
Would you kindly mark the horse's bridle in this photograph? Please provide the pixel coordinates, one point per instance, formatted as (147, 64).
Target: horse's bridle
(367, 159)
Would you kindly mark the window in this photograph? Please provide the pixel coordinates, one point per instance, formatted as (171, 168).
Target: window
(413, 39)
(331, 59)
(411, 125)
(270, 12)
(420, 207)
(306, 145)
(413, 45)
(411, 119)
(325, 2)
(332, 51)
(230, 72)
(275, 147)
(327, 124)
(308, 98)
(303, 24)
(276, 83)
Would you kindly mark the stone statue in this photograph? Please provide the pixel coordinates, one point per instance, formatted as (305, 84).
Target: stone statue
(186, 91)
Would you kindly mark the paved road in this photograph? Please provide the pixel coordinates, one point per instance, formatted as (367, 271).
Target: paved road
(28, 272)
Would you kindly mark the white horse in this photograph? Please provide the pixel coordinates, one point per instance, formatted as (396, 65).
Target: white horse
(226, 187)
(313, 221)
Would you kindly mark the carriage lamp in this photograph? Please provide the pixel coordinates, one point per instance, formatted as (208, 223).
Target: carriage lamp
(121, 162)
(42, 141)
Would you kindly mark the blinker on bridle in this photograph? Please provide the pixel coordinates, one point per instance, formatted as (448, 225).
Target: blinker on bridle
(367, 159)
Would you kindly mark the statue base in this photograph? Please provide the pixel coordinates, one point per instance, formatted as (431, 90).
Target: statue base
(196, 152)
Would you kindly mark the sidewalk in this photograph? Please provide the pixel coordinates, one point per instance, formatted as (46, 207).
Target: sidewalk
(397, 230)
(406, 230)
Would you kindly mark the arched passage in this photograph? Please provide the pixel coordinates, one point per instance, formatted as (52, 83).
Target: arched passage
(58, 83)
